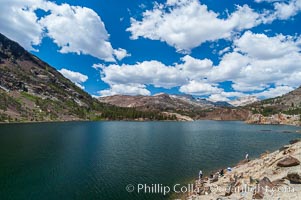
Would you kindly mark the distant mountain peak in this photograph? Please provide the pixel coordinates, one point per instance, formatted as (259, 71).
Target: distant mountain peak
(243, 101)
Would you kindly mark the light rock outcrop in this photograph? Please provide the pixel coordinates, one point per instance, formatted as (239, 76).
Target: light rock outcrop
(274, 119)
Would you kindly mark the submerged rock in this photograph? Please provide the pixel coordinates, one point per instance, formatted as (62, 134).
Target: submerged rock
(295, 141)
(284, 147)
(288, 162)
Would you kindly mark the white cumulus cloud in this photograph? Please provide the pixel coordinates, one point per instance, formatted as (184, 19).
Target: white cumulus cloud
(199, 88)
(274, 92)
(75, 77)
(148, 72)
(224, 96)
(283, 9)
(217, 97)
(74, 29)
(258, 61)
(19, 22)
(121, 53)
(125, 89)
(263, 47)
(154, 73)
(186, 24)
(272, 62)
(78, 29)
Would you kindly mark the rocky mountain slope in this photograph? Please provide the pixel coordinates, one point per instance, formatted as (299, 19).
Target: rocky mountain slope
(224, 114)
(280, 110)
(289, 103)
(163, 102)
(285, 109)
(31, 90)
(169, 104)
(279, 118)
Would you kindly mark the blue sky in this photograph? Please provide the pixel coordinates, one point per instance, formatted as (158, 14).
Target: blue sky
(220, 50)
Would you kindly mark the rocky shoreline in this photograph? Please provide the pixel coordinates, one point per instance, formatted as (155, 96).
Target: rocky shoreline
(275, 175)
(279, 118)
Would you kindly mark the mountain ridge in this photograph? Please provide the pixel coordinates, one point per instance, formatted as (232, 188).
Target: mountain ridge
(279, 110)
(186, 105)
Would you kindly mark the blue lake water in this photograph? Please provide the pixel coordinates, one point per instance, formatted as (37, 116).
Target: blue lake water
(97, 160)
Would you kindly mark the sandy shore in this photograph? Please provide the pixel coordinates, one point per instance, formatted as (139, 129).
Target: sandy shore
(274, 175)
